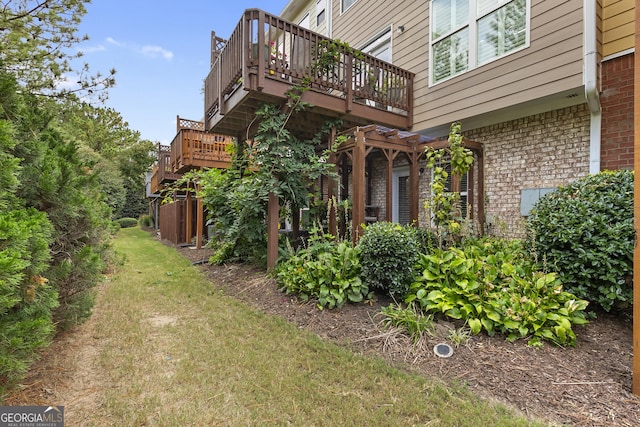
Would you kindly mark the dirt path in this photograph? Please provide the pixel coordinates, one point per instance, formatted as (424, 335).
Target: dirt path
(68, 372)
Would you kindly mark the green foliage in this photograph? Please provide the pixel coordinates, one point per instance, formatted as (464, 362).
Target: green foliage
(326, 271)
(26, 300)
(444, 204)
(389, 252)
(414, 321)
(494, 286)
(127, 222)
(38, 40)
(145, 220)
(584, 231)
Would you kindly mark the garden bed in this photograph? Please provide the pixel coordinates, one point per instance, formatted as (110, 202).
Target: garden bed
(589, 385)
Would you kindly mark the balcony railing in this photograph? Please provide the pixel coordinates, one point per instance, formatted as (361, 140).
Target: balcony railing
(165, 173)
(193, 148)
(264, 49)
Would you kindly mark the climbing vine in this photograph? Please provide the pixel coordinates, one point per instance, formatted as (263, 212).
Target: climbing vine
(444, 204)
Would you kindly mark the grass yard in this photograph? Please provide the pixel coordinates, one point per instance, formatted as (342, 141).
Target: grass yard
(170, 350)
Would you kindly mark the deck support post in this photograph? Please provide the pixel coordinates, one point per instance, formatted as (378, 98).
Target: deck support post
(199, 218)
(357, 212)
(189, 221)
(273, 217)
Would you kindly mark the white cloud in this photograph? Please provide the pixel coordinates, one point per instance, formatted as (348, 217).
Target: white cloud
(156, 51)
(150, 51)
(67, 82)
(113, 41)
(92, 49)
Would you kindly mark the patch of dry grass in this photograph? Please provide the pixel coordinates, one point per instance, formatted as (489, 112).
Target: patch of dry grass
(176, 352)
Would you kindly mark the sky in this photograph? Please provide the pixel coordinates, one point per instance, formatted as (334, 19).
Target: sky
(161, 51)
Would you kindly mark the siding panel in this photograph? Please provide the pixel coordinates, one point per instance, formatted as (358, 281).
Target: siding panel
(551, 64)
(618, 26)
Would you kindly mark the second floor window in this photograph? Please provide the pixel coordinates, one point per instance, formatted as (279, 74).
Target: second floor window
(467, 33)
(346, 4)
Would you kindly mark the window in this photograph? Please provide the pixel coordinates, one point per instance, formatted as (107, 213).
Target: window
(468, 33)
(346, 4)
(305, 22)
(463, 186)
(320, 11)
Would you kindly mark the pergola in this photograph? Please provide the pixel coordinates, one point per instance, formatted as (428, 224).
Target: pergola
(361, 142)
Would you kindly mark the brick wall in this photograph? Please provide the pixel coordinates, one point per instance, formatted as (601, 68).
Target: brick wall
(617, 113)
(540, 151)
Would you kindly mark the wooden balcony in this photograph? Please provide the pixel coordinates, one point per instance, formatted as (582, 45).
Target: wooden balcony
(265, 55)
(193, 148)
(162, 172)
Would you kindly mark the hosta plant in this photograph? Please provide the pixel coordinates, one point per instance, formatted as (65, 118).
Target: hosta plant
(326, 271)
(495, 288)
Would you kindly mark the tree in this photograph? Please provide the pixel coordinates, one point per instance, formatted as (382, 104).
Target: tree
(36, 38)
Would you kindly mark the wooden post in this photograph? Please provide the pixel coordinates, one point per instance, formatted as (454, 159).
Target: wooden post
(199, 218)
(273, 218)
(414, 188)
(357, 214)
(189, 221)
(389, 198)
(636, 215)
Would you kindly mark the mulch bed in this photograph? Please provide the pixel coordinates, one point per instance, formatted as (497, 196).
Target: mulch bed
(586, 385)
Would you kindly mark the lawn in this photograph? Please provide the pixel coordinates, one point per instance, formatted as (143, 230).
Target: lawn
(172, 350)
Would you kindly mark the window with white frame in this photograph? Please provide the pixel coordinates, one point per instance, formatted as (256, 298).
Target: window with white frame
(320, 11)
(468, 33)
(304, 23)
(346, 4)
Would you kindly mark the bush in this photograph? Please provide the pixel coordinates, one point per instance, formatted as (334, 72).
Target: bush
(494, 286)
(127, 222)
(145, 221)
(584, 231)
(388, 254)
(327, 271)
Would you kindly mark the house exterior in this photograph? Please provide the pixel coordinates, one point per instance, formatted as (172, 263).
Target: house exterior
(545, 87)
(543, 90)
(182, 219)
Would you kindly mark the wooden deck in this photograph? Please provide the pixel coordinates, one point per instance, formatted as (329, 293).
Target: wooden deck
(265, 55)
(193, 148)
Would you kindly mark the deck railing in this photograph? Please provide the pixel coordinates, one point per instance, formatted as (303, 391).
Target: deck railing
(165, 171)
(264, 46)
(193, 148)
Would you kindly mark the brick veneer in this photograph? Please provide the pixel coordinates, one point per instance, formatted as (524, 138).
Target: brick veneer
(617, 113)
(539, 151)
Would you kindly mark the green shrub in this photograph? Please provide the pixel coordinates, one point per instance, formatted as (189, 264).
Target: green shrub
(388, 254)
(584, 231)
(326, 271)
(494, 286)
(127, 222)
(145, 221)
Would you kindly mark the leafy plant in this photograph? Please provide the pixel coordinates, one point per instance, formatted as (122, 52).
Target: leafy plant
(127, 222)
(460, 336)
(414, 321)
(389, 252)
(326, 271)
(444, 204)
(584, 231)
(495, 287)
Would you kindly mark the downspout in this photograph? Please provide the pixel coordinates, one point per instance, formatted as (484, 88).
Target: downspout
(591, 83)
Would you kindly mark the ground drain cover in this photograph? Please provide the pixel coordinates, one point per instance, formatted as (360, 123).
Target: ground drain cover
(443, 350)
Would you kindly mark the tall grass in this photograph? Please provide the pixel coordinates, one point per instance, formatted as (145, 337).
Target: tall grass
(176, 352)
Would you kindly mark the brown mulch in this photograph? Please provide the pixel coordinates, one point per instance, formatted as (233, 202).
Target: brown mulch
(585, 385)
